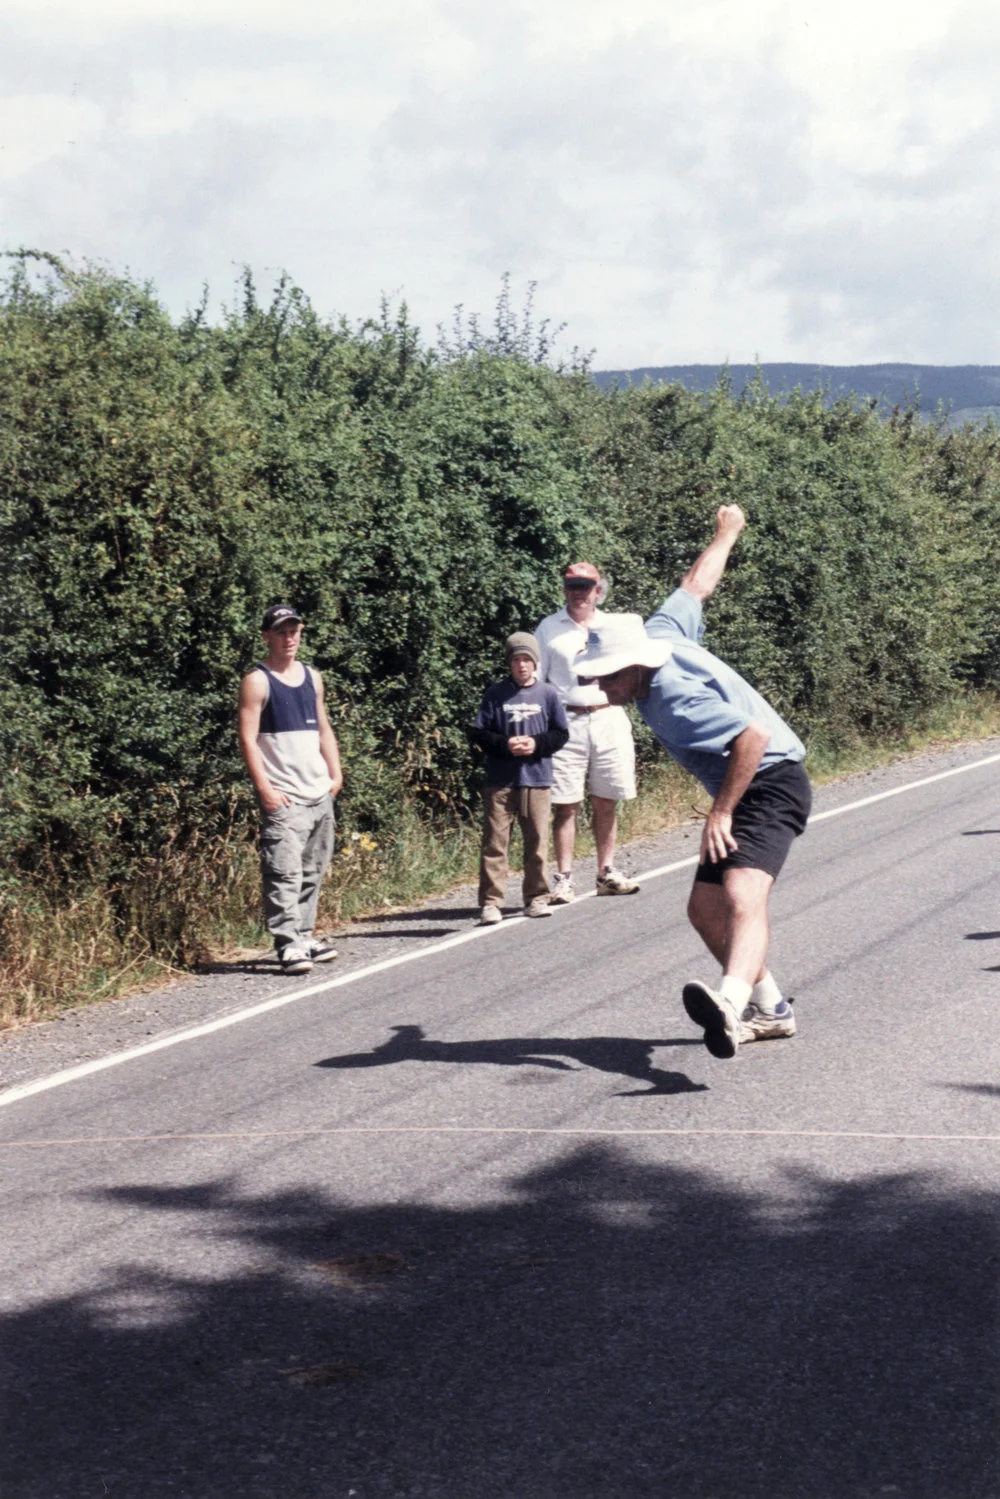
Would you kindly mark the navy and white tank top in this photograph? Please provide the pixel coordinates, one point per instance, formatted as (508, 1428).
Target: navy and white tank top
(288, 738)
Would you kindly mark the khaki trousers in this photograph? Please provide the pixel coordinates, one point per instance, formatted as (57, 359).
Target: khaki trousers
(532, 806)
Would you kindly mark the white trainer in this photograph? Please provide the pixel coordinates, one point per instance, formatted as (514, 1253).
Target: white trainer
(322, 950)
(562, 889)
(759, 1026)
(613, 882)
(538, 907)
(721, 1023)
(490, 915)
(294, 960)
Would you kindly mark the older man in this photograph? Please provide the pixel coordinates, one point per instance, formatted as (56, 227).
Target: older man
(721, 730)
(600, 754)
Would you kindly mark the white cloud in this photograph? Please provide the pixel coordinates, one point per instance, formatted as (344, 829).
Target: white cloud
(34, 128)
(242, 96)
(686, 179)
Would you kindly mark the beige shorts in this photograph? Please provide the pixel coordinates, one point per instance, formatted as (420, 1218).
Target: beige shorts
(599, 757)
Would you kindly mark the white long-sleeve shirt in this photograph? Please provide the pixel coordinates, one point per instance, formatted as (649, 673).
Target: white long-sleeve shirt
(560, 641)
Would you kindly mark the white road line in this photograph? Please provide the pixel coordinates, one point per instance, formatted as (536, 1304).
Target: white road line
(482, 1129)
(195, 1032)
(881, 796)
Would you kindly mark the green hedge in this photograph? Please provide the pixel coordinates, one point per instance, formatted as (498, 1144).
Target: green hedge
(161, 481)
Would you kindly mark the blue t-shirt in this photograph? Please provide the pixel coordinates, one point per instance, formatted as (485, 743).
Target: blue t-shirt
(697, 705)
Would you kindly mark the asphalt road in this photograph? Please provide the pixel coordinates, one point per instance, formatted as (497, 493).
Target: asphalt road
(491, 1223)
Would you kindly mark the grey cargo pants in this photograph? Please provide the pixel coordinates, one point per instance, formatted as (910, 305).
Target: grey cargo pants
(296, 845)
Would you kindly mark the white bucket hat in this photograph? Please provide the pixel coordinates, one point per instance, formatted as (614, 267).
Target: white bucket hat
(617, 641)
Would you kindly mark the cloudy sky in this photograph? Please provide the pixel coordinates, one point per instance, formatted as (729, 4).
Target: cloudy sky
(686, 180)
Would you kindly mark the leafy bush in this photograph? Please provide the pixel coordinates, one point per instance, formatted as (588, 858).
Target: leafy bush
(161, 482)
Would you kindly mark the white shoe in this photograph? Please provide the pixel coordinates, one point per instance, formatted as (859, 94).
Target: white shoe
(538, 907)
(321, 950)
(294, 960)
(562, 889)
(722, 1025)
(490, 915)
(613, 882)
(759, 1026)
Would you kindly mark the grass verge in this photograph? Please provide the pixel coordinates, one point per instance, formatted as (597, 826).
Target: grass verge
(61, 949)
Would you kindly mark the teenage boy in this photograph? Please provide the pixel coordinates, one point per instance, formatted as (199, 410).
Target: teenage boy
(715, 725)
(291, 753)
(520, 725)
(600, 753)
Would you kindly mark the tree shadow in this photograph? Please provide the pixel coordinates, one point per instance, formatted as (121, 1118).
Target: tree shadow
(622, 1055)
(608, 1328)
(980, 832)
(981, 936)
(989, 1090)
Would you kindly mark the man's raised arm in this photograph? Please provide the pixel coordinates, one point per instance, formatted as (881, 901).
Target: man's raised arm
(704, 573)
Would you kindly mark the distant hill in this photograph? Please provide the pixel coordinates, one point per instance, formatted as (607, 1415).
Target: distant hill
(969, 391)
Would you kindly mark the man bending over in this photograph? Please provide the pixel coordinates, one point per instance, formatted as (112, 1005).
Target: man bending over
(720, 729)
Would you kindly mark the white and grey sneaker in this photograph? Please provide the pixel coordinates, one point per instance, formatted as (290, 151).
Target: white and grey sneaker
(294, 959)
(562, 889)
(490, 915)
(718, 1019)
(321, 950)
(538, 907)
(759, 1026)
(612, 882)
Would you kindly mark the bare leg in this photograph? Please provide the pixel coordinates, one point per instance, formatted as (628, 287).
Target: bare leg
(731, 920)
(605, 830)
(564, 834)
(707, 914)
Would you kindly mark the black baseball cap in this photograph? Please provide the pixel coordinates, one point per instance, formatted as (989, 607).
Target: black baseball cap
(278, 614)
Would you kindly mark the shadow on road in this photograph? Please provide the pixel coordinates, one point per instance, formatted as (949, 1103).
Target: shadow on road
(619, 1054)
(423, 913)
(610, 1328)
(427, 931)
(267, 964)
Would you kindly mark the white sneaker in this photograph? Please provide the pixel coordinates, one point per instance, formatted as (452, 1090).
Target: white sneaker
(613, 882)
(294, 960)
(538, 907)
(490, 915)
(721, 1023)
(562, 889)
(321, 950)
(758, 1026)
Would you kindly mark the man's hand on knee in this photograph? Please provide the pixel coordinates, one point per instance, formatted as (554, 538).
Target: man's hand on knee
(717, 841)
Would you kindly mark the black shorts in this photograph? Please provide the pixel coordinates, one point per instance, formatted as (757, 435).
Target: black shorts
(772, 811)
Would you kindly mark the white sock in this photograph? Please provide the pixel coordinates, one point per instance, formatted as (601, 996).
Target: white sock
(735, 992)
(766, 995)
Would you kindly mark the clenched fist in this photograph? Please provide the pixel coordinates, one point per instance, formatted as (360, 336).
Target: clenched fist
(729, 521)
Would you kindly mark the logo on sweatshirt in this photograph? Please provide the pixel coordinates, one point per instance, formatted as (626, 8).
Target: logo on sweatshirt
(520, 712)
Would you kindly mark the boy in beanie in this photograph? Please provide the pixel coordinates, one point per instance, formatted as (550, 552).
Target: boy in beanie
(520, 725)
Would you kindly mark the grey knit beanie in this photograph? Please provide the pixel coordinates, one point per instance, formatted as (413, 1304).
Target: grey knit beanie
(523, 644)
